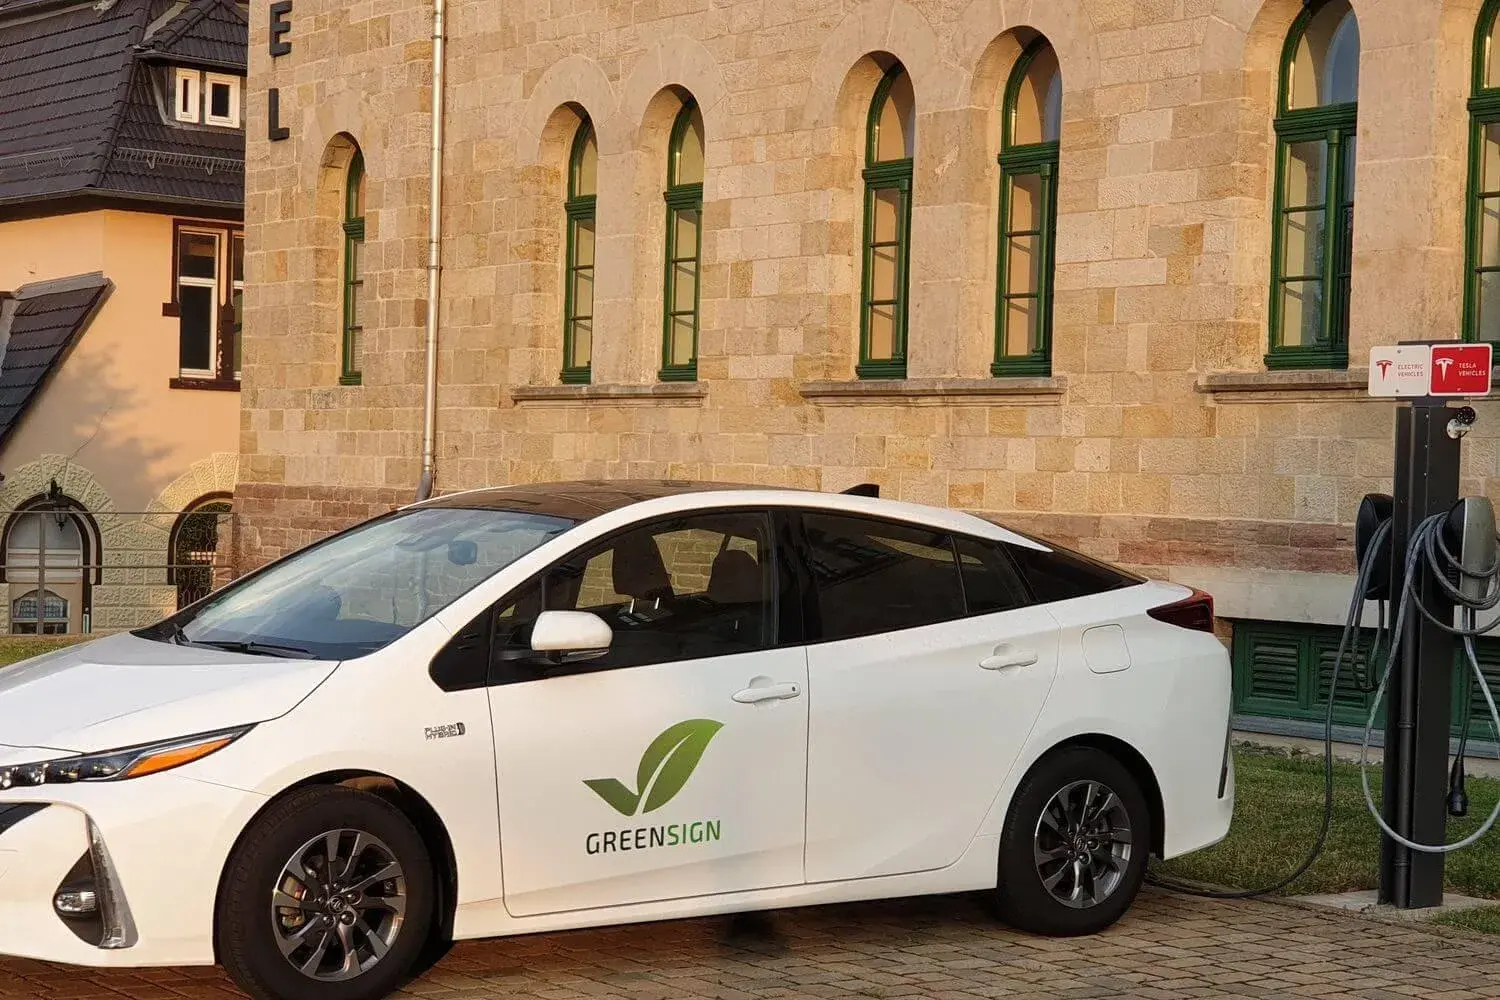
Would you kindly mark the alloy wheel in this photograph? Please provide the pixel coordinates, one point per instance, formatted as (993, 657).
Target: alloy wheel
(338, 905)
(1082, 844)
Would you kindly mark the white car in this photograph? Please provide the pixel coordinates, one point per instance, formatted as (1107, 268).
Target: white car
(534, 708)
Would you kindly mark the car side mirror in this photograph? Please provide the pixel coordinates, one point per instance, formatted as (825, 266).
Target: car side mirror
(570, 636)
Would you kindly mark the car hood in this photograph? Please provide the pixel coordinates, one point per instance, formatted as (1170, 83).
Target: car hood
(123, 690)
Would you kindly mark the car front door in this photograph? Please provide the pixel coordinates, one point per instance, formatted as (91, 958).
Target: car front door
(927, 670)
(676, 764)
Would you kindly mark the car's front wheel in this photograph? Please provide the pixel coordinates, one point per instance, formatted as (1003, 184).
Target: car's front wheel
(1074, 849)
(328, 896)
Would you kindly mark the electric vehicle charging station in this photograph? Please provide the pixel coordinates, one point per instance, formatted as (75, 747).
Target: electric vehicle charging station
(1425, 517)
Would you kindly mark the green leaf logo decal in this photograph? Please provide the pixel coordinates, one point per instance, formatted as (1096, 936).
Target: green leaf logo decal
(616, 794)
(665, 768)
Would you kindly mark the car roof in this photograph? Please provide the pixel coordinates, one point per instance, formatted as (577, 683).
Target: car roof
(583, 500)
(579, 499)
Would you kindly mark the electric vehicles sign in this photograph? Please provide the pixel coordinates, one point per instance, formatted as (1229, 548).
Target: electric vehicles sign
(1400, 371)
(1430, 370)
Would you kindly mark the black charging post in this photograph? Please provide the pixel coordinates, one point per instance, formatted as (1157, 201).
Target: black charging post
(1421, 690)
(1424, 375)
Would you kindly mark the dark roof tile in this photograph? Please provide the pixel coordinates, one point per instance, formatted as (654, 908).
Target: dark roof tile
(62, 76)
(206, 32)
(38, 325)
(83, 94)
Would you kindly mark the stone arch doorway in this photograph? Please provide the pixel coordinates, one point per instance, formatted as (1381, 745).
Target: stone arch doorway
(193, 546)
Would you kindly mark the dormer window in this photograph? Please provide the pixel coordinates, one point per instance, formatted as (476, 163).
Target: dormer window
(221, 100)
(189, 94)
(206, 98)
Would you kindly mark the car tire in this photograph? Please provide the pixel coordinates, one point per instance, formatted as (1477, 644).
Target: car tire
(1074, 849)
(265, 944)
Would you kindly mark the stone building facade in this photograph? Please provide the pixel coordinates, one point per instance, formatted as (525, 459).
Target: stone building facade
(1192, 402)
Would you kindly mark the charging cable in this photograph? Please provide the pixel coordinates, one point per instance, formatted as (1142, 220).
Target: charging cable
(1427, 540)
(1373, 555)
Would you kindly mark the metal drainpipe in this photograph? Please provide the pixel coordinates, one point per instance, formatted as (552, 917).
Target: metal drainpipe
(434, 256)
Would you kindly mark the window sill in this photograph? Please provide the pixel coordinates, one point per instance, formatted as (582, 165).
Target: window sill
(213, 384)
(671, 392)
(1284, 386)
(947, 390)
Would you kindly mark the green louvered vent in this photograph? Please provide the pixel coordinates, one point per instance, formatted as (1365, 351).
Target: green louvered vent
(1272, 667)
(1352, 703)
(1283, 671)
(1480, 726)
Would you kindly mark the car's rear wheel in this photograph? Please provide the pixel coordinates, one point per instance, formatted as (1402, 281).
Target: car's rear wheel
(329, 896)
(1074, 850)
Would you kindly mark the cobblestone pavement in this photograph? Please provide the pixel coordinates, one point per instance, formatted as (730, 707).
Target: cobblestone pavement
(943, 948)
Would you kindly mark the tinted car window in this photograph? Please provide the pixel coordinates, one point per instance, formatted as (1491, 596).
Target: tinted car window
(874, 576)
(682, 589)
(991, 583)
(1063, 574)
(360, 590)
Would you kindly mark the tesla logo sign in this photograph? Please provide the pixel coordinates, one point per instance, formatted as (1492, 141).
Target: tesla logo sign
(1430, 370)
(1400, 371)
(1461, 370)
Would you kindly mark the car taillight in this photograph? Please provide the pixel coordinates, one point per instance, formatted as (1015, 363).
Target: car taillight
(1195, 612)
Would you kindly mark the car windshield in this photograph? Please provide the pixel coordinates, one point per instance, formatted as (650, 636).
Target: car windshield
(361, 590)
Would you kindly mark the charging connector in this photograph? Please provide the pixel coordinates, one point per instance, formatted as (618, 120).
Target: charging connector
(1469, 578)
(1458, 798)
(1470, 533)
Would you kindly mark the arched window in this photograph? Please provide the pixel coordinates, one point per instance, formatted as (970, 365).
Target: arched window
(355, 303)
(679, 352)
(1031, 122)
(51, 559)
(578, 292)
(32, 615)
(889, 145)
(1313, 242)
(193, 545)
(47, 542)
(1482, 290)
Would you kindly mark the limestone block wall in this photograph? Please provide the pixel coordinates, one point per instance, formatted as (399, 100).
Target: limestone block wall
(1160, 439)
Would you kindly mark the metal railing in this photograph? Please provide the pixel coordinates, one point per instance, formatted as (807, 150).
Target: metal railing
(65, 570)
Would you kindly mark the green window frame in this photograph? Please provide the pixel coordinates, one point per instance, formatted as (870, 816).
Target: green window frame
(578, 275)
(1029, 167)
(1314, 145)
(1482, 222)
(352, 352)
(886, 242)
(682, 286)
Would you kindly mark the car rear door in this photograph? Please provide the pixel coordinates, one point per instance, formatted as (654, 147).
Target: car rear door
(675, 766)
(927, 668)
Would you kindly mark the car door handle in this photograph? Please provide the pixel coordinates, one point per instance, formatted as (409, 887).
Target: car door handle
(1004, 657)
(770, 692)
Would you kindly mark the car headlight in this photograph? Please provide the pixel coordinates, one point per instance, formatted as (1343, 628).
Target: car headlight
(117, 765)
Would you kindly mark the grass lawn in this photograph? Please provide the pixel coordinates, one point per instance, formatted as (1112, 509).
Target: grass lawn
(1481, 918)
(1278, 805)
(16, 648)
